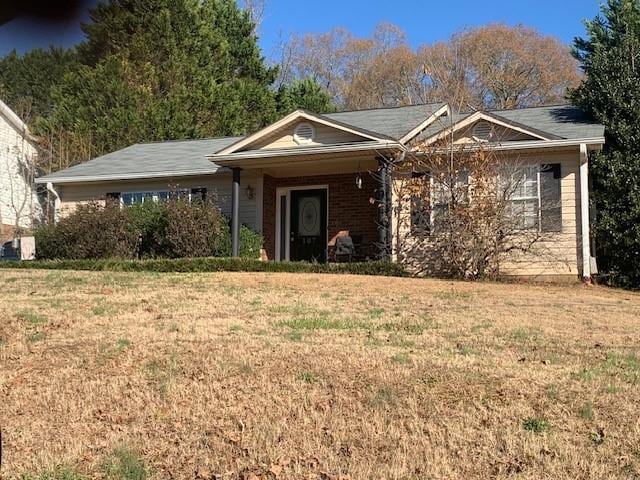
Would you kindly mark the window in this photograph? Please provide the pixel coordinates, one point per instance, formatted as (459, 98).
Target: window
(431, 198)
(441, 198)
(525, 199)
(133, 198)
(536, 199)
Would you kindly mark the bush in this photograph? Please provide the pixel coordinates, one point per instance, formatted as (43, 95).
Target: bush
(192, 229)
(250, 242)
(175, 229)
(92, 231)
(212, 265)
(150, 221)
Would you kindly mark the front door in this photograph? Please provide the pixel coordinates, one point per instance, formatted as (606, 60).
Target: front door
(308, 235)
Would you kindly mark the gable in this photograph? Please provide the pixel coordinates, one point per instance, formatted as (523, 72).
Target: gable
(294, 135)
(285, 127)
(486, 131)
(488, 128)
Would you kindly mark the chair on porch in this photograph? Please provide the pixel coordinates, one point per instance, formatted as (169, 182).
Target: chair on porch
(344, 247)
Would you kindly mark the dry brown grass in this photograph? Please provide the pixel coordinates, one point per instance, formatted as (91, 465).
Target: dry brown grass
(263, 376)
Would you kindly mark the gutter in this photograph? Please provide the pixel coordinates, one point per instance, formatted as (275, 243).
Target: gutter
(528, 145)
(300, 151)
(132, 176)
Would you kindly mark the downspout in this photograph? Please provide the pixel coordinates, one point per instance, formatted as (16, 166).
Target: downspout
(235, 213)
(584, 213)
(56, 201)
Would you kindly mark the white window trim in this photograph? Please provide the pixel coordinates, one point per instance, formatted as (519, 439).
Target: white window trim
(286, 191)
(155, 197)
(432, 197)
(538, 197)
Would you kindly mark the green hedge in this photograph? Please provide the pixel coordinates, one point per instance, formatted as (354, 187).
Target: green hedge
(211, 264)
(176, 228)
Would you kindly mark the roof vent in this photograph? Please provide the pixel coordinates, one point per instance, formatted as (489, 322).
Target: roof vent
(304, 133)
(483, 131)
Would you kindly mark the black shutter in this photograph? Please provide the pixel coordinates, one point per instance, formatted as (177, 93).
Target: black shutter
(420, 204)
(198, 194)
(550, 198)
(112, 198)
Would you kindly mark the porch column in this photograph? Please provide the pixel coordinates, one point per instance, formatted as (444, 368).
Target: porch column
(235, 213)
(383, 209)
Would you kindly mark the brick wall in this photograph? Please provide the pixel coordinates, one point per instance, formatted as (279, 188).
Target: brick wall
(350, 208)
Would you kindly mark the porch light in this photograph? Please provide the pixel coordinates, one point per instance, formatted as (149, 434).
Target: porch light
(249, 192)
(359, 179)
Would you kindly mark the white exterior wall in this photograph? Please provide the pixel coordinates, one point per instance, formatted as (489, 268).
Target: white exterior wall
(18, 201)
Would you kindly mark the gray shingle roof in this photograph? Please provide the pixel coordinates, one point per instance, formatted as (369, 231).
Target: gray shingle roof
(564, 121)
(391, 122)
(188, 157)
(143, 160)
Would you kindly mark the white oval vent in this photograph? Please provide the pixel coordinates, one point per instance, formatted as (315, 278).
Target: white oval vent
(483, 131)
(304, 133)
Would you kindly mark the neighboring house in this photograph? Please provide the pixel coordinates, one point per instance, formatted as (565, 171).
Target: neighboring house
(305, 179)
(19, 205)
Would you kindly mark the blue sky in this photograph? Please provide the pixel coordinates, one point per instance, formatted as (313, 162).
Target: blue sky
(424, 21)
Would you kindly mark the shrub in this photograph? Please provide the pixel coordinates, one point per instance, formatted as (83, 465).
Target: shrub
(192, 230)
(175, 229)
(92, 231)
(211, 265)
(149, 219)
(250, 242)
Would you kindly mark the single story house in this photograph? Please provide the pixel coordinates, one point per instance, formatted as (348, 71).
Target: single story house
(307, 178)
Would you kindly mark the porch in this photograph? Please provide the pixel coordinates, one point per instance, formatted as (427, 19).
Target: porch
(307, 206)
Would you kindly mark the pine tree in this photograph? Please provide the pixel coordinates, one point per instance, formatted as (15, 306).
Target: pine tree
(610, 57)
(163, 69)
(305, 94)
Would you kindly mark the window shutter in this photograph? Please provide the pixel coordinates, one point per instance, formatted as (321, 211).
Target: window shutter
(112, 198)
(420, 203)
(198, 194)
(550, 198)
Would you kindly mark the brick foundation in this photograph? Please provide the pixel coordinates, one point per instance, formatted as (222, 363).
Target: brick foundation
(350, 208)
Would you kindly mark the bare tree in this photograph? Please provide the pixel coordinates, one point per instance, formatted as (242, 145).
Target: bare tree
(462, 209)
(495, 67)
(502, 67)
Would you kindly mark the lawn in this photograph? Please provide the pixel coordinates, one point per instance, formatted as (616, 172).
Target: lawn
(258, 376)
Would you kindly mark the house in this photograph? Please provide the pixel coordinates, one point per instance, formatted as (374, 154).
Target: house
(19, 205)
(307, 178)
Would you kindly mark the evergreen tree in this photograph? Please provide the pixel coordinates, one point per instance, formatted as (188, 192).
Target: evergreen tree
(305, 94)
(163, 69)
(26, 81)
(610, 57)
